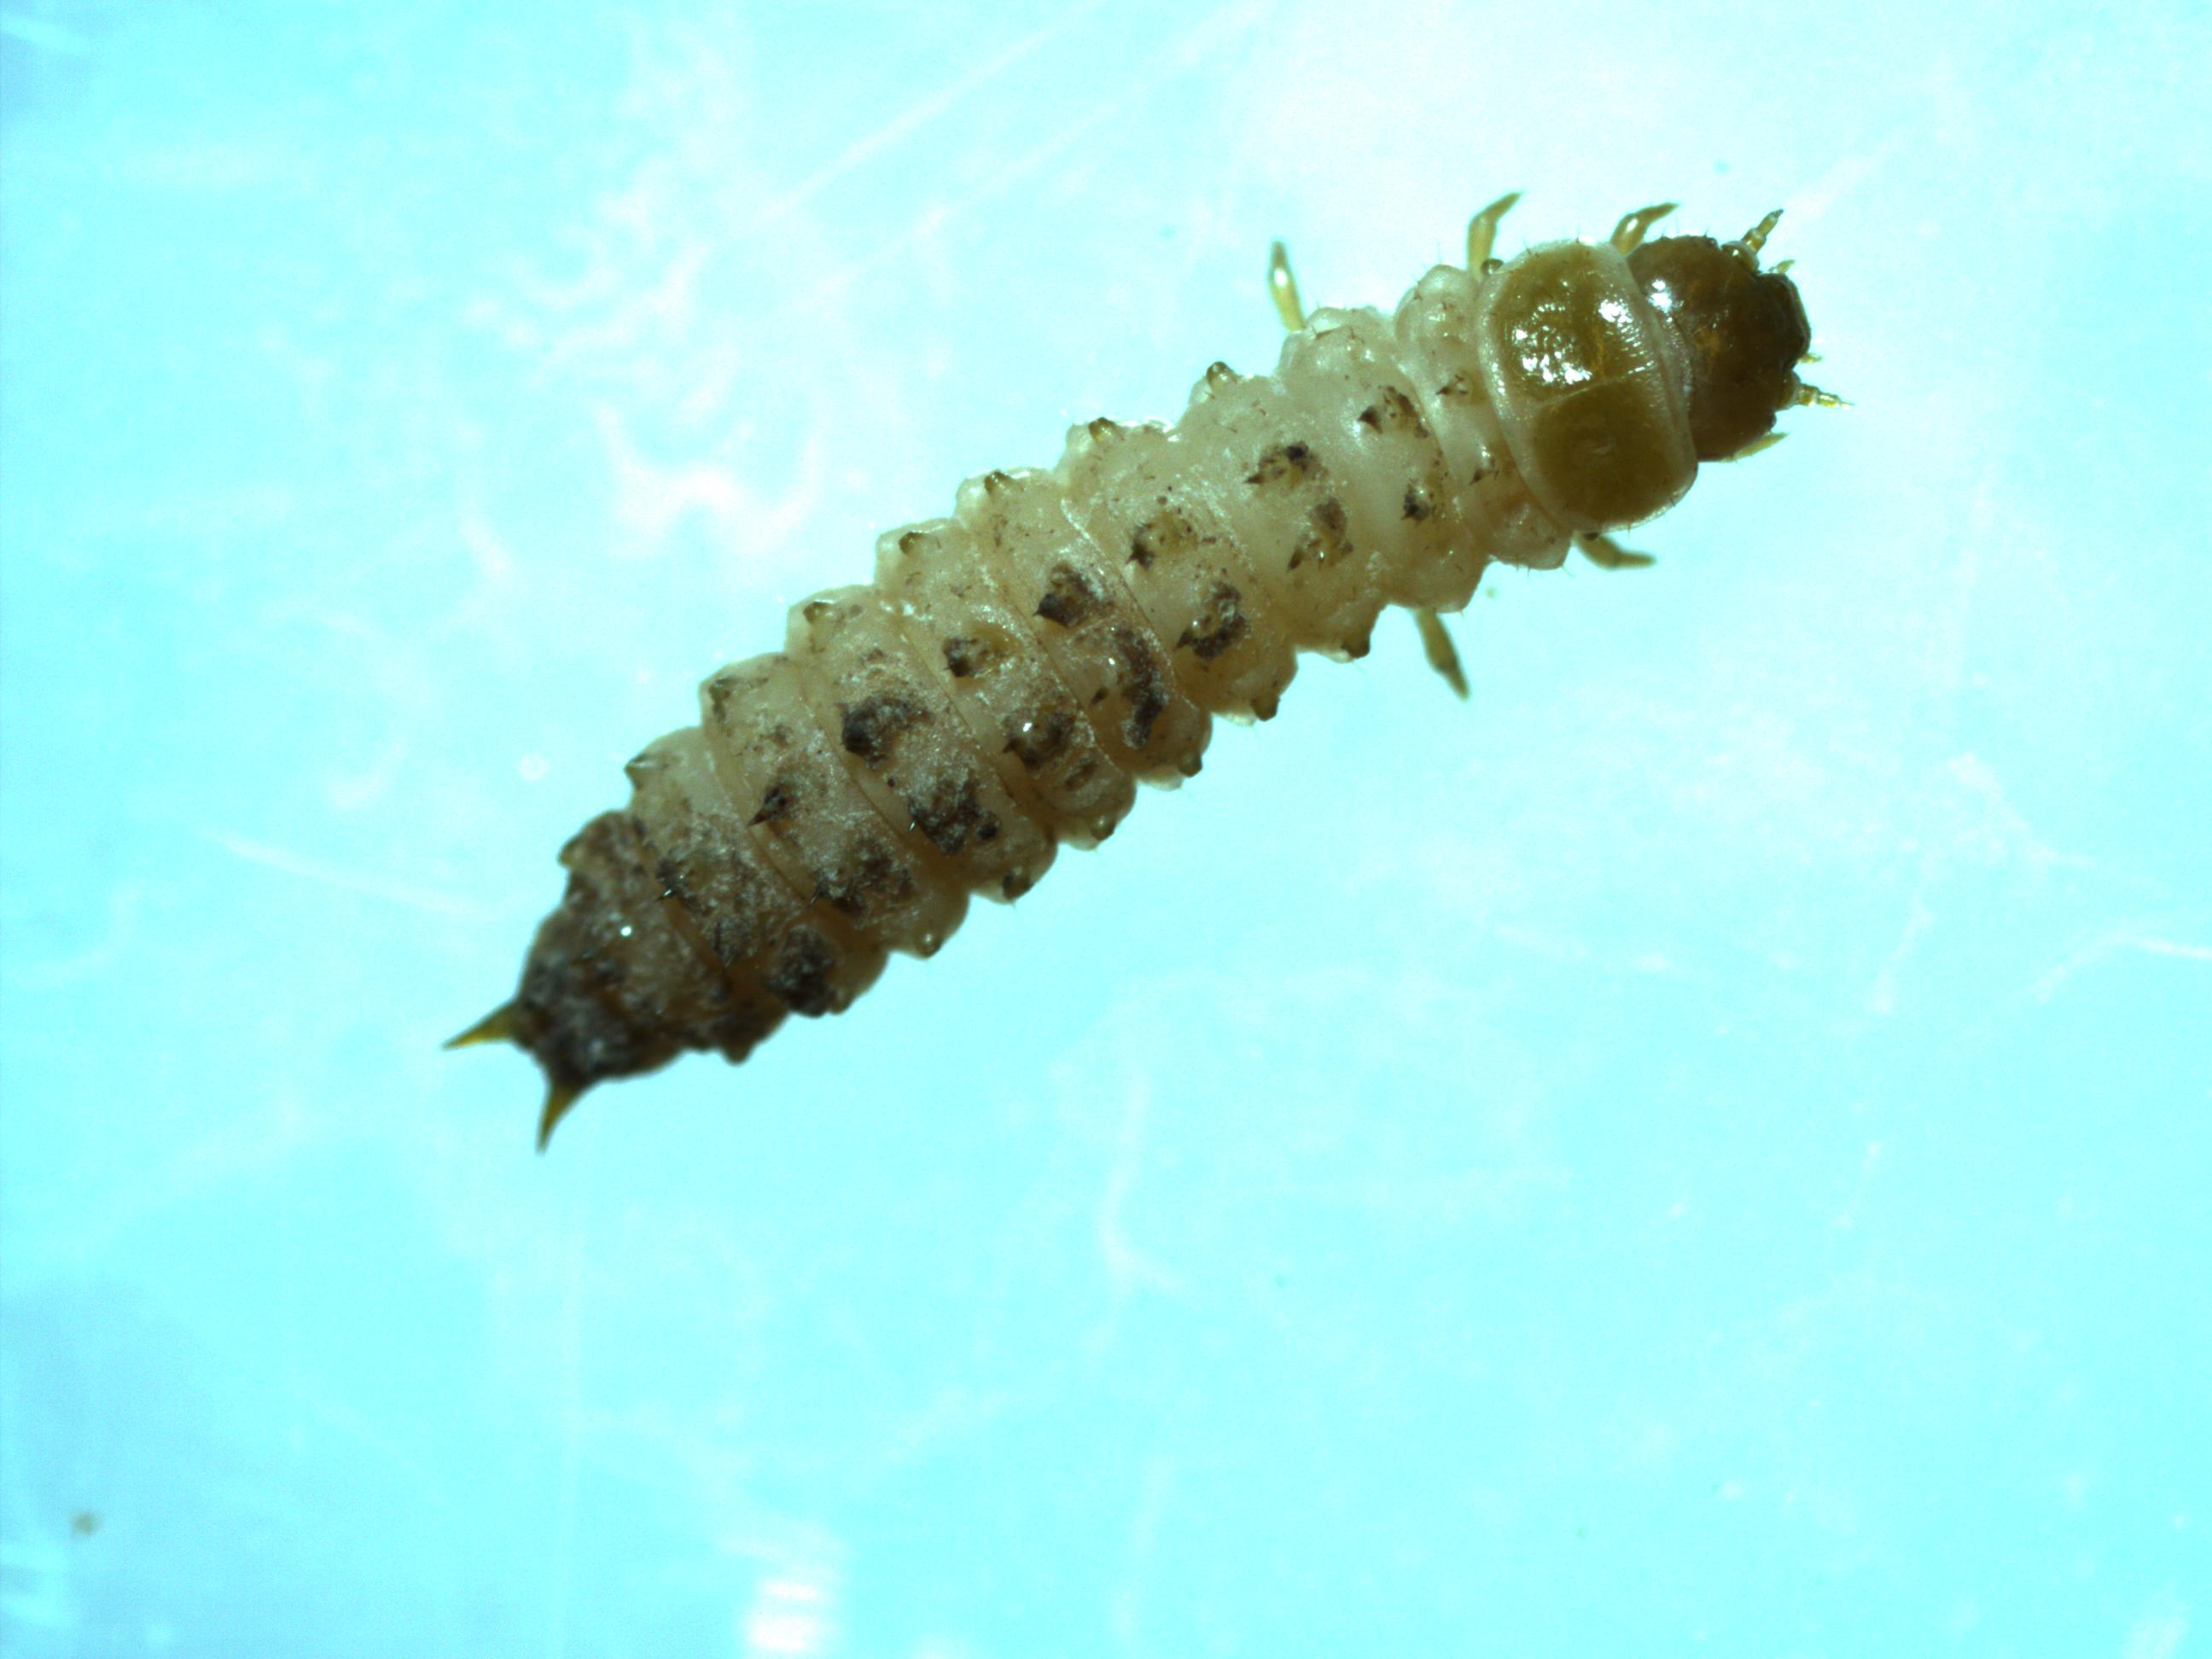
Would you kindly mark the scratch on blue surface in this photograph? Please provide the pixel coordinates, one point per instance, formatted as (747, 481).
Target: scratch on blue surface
(48, 37)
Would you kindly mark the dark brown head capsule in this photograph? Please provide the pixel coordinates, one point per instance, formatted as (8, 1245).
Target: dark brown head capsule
(1743, 330)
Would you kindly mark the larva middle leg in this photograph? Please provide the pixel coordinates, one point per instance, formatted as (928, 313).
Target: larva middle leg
(1013, 671)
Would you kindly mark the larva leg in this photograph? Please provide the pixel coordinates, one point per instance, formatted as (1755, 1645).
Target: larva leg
(1283, 288)
(1607, 554)
(1436, 645)
(1482, 231)
(1756, 446)
(1442, 654)
(1628, 235)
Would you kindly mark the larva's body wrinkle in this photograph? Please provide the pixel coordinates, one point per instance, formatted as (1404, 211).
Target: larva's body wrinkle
(1015, 669)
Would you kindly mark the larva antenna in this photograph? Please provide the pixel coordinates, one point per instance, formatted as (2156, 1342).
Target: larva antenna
(1482, 231)
(1813, 396)
(497, 1026)
(1755, 239)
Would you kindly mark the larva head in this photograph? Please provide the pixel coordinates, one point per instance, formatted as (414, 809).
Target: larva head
(1743, 333)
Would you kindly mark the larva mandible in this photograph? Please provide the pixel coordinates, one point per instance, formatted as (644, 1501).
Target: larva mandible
(1014, 670)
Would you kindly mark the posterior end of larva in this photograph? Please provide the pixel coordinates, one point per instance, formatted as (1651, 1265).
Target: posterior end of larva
(497, 1026)
(558, 1101)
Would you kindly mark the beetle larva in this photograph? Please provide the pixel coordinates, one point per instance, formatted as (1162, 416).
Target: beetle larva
(1015, 669)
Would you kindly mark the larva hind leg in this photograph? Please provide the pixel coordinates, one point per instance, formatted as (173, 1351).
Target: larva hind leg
(1283, 288)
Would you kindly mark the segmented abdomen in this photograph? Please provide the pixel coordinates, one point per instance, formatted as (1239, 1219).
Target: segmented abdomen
(1010, 674)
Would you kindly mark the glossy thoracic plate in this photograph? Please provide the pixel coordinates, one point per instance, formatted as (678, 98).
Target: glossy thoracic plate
(1013, 671)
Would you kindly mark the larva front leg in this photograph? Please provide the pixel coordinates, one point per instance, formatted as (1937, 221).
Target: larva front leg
(1607, 554)
(1013, 671)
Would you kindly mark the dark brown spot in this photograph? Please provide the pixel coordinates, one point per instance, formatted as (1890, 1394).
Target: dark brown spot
(1071, 597)
(967, 655)
(800, 976)
(871, 728)
(1418, 504)
(1285, 464)
(1144, 684)
(1037, 745)
(1219, 626)
(570, 1024)
(1394, 412)
(867, 878)
(776, 805)
(950, 813)
(1167, 533)
(1331, 538)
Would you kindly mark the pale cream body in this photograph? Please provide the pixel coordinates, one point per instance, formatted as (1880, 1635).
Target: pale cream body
(1015, 669)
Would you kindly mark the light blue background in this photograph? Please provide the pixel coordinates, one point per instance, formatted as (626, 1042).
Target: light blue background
(1704, 1148)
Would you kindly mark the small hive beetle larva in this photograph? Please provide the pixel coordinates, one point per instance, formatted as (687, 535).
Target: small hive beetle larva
(1014, 670)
